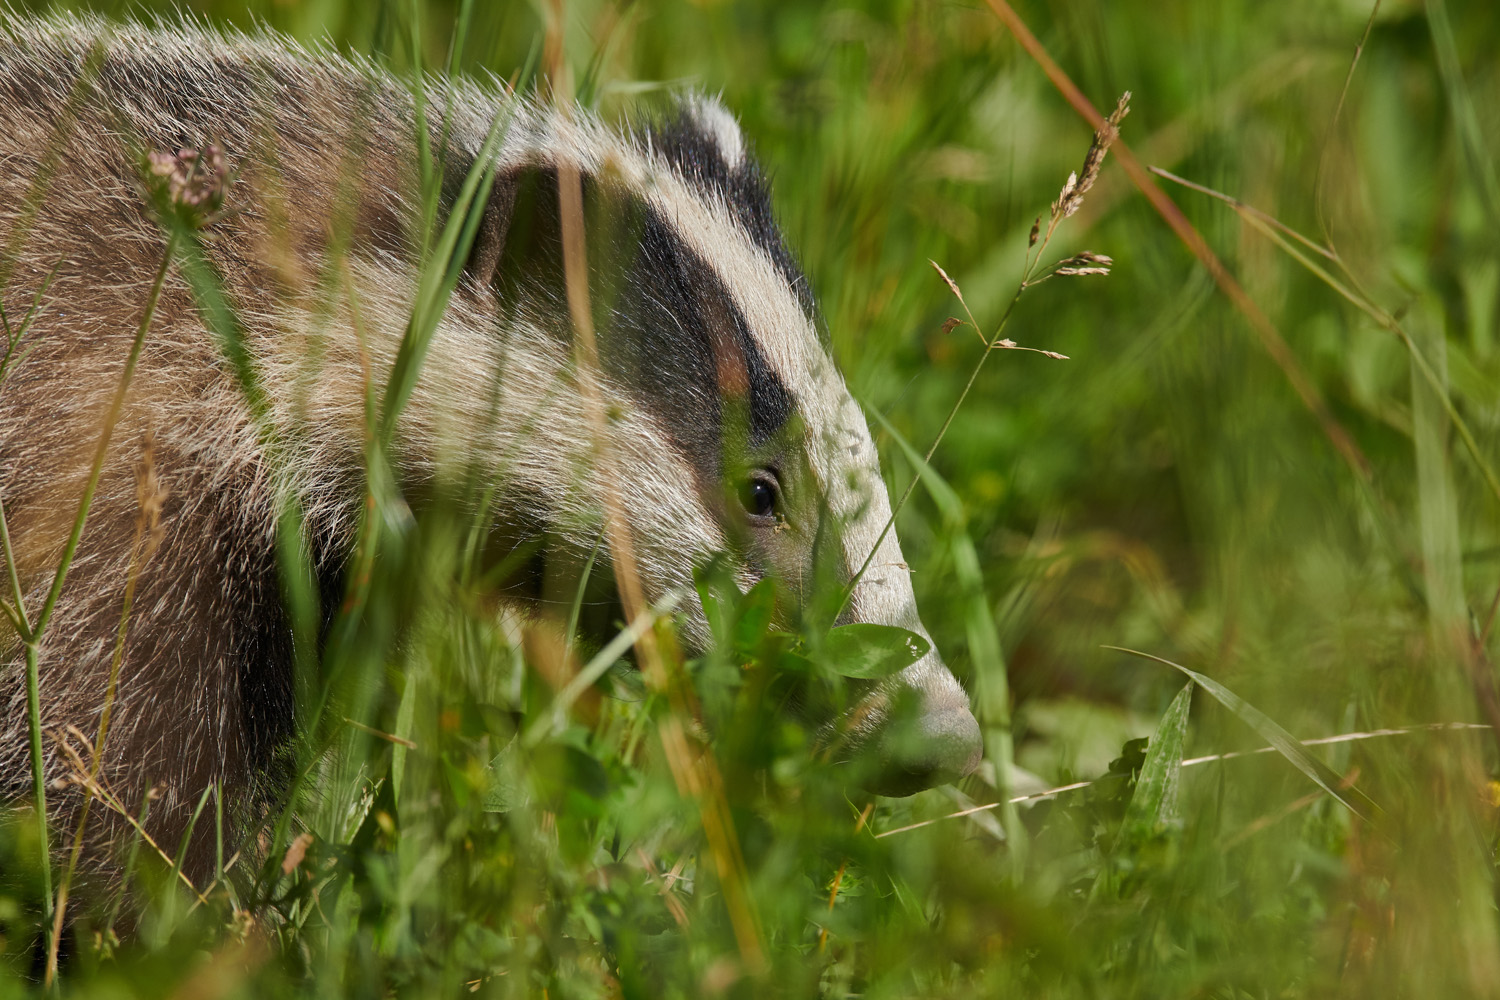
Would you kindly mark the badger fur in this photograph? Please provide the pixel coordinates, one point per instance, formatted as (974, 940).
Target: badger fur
(708, 312)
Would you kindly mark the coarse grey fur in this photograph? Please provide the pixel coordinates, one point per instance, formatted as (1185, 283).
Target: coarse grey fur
(205, 686)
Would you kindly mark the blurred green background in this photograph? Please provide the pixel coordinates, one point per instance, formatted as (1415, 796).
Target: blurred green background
(1164, 490)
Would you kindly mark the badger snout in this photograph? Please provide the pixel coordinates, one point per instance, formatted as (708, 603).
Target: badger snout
(936, 747)
(915, 731)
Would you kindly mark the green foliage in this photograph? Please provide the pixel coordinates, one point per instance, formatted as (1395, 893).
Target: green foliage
(485, 828)
(1156, 800)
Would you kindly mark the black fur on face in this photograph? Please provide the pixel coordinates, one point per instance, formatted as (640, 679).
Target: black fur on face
(669, 332)
(683, 141)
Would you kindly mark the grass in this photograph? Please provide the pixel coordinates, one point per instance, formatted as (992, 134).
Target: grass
(1268, 464)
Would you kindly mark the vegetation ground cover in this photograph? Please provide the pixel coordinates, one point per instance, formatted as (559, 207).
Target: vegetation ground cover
(1294, 500)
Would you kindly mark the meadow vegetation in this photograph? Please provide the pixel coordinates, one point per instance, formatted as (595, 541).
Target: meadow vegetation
(1263, 454)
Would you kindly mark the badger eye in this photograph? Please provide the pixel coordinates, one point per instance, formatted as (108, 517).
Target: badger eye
(759, 496)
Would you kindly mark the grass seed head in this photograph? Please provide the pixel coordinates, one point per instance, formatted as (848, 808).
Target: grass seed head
(952, 285)
(1087, 262)
(152, 494)
(1070, 199)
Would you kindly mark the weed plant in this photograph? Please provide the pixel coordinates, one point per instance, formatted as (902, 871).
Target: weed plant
(1266, 470)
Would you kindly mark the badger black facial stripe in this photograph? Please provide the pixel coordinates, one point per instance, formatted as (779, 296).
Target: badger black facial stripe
(678, 339)
(669, 330)
(702, 143)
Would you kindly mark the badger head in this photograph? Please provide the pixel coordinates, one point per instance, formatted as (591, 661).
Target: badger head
(730, 427)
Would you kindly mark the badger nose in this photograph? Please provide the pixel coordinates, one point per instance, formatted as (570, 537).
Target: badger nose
(935, 745)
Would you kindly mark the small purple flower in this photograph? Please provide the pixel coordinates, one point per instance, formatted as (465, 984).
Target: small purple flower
(192, 181)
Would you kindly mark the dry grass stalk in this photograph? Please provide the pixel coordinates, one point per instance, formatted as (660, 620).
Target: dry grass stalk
(1271, 340)
(833, 892)
(151, 495)
(1432, 727)
(400, 741)
(698, 778)
(668, 880)
(99, 790)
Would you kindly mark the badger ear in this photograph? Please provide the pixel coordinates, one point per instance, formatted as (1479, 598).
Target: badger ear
(713, 121)
(701, 139)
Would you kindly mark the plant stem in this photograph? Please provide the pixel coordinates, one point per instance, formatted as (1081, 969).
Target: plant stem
(990, 347)
(116, 405)
(38, 778)
(15, 577)
(34, 632)
(97, 761)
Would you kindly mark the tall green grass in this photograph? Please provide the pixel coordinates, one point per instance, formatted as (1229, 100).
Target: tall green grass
(1168, 490)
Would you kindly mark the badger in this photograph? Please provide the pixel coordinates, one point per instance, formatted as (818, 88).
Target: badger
(731, 429)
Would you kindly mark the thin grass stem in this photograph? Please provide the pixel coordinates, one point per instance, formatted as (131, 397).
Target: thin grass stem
(33, 639)
(39, 777)
(23, 624)
(1250, 211)
(577, 609)
(100, 738)
(1338, 110)
(131, 856)
(991, 344)
(103, 794)
(113, 416)
(1341, 738)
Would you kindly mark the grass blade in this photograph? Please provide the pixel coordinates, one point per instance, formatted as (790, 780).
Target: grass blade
(596, 667)
(1437, 502)
(1154, 803)
(1471, 136)
(990, 677)
(1284, 742)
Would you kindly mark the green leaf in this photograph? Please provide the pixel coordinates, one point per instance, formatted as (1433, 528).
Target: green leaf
(1155, 801)
(755, 611)
(869, 651)
(406, 719)
(507, 789)
(1280, 740)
